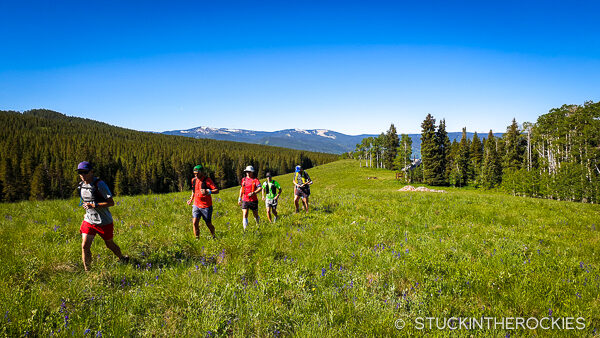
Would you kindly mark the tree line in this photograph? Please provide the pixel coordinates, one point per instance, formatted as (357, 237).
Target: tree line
(41, 148)
(556, 157)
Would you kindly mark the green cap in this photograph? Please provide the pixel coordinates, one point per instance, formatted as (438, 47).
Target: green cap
(198, 168)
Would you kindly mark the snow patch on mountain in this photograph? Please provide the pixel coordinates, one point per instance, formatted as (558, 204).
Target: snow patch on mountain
(323, 132)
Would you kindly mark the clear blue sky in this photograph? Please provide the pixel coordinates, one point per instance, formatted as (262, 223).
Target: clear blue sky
(353, 67)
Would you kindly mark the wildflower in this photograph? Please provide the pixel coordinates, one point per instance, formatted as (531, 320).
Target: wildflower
(86, 331)
(215, 270)
(550, 312)
(323, 272)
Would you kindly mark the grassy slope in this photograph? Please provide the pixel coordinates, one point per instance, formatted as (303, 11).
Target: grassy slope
(364, 256)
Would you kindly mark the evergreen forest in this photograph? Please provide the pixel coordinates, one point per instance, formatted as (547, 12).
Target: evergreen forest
(41, 148)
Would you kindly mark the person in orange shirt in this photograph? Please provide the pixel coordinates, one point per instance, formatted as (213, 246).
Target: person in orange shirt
(202, 189)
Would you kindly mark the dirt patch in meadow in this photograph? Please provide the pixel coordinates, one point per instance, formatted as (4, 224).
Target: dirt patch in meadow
(411, 188)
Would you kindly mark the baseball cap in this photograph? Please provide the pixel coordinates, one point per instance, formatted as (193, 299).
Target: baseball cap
(268, 175)
(298, 168)
(198, 168)
(85, 165)
(249, 168)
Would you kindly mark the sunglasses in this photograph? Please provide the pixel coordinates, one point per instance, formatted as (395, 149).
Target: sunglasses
(83, 172)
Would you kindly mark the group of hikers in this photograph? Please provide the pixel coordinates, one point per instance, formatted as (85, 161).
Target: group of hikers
(96, 198)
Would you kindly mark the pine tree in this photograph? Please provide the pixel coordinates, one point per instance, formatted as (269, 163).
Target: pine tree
(391, 143)
(463, 159)
(492, 169)
(40, 183)
(444, 144)
(512, 157)
(429, 151)
(476, 152)
(121, 183)
(10, 192)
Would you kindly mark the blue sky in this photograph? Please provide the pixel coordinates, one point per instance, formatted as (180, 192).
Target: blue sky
(353, 67)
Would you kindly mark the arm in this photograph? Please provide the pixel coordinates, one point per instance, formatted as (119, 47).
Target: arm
(240, 195)
(262, 194)
(213, 188)
(278, 194)
(94, 205)
(191, 197)
(105, 192)
(257, 189)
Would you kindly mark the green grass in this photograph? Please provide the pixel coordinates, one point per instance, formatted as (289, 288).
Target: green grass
(364, 256)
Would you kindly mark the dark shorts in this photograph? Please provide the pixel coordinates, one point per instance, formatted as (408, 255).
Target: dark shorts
(303, 193)
(204, 213)
(250, 205)
(105, 231)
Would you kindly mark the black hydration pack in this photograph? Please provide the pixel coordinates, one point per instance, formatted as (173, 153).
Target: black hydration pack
(271, 187)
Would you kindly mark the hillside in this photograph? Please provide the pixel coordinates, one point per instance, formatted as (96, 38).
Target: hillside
(364, 257)
(40, 149)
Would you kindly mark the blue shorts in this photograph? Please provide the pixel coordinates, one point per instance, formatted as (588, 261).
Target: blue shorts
(204, 213)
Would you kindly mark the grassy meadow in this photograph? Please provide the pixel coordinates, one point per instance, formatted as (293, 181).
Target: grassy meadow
(365, 256)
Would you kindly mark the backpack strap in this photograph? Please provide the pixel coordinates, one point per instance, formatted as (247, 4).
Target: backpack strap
(95, 192)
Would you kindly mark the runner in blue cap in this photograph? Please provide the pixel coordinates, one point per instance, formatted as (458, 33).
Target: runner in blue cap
(302, 183)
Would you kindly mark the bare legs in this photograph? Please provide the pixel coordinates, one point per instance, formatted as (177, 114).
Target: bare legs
(304, 202)
(86, 252)
(245, 217)
(196, 224)
(274, 211)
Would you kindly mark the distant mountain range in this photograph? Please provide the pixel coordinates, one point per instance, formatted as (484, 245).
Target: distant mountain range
(321, 140)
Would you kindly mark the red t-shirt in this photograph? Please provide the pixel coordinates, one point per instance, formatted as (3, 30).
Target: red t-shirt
(249, 185)
(203, 201)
